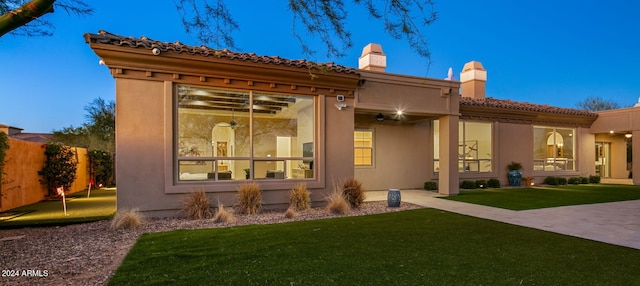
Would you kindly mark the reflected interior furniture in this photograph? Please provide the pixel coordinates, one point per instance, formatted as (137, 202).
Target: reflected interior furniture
(275, 174)
(222, 175)
(302, 173)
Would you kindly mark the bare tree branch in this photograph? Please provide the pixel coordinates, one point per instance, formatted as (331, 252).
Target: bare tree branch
(23, 18)
(209, 21)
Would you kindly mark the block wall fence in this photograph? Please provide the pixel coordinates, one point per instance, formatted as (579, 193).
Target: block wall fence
(20, 184)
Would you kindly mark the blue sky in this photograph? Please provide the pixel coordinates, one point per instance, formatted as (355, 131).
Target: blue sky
(544, 52)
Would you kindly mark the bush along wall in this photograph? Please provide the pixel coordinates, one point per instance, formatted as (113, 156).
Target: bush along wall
(493, 183)
(4, 146)
(59, 167)
(430, 186)
(101, 167)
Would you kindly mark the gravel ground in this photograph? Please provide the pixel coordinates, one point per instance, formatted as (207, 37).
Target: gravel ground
(89, 254)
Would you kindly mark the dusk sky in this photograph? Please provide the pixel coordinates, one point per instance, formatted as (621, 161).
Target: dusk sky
(544, 52)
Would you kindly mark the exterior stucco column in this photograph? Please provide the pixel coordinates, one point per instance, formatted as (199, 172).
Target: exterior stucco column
(448, 180)
(635, 157)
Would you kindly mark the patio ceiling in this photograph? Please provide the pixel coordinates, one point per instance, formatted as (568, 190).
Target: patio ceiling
(205, 99)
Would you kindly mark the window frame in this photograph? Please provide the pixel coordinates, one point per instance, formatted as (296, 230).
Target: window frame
(371, 148)
(251, 157)
(557, 165)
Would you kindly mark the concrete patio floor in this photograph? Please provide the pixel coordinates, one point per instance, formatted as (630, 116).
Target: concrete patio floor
(614, 223)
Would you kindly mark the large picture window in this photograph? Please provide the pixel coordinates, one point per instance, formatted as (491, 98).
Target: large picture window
(553, 149)
(474, 146)
(243, 135)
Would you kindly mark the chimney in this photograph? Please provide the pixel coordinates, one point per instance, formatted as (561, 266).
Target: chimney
(372, 58)
(474, 80)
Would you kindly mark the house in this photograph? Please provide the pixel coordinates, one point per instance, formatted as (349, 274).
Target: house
(191, 118)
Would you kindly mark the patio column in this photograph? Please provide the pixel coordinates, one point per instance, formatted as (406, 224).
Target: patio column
(635, 157)
(448, 181)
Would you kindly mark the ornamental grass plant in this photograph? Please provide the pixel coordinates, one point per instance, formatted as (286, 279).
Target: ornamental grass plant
(290, 213)
(249, 198)
(222, 215)
(127, 219)
(337, 204)
(353, 192)
(300, 197)
(196, 205)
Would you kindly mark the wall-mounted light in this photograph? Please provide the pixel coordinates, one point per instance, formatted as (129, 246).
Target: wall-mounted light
(628, 135)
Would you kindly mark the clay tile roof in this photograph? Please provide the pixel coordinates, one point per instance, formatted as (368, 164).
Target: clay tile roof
(523, 106)
(143, 42)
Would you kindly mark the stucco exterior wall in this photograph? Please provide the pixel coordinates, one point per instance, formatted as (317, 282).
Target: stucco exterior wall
(402, 157)
(585, 152)
(140, 145)
(144, 144)
(514, 144)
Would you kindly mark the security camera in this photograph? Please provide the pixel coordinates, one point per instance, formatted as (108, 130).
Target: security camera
(340, 98)
(155, 51)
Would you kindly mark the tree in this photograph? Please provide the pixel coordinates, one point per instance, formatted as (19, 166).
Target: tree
(211, 23)
(59, 168)
(22, 17)
(595, 103)
(97, 133)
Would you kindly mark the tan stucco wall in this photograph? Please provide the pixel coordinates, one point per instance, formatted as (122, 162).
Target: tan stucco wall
(390, 92)
(611, 126)
(401, 157)
(585, 152)
(140, 145)
(144, 144)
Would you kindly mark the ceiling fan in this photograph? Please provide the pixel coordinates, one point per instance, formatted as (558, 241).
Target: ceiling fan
(381, 118)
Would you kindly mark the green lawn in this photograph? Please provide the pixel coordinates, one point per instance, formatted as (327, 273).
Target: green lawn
(418, 247)
(548, 196)
(100, 205)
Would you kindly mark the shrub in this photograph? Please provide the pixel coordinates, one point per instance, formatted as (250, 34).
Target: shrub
(353, 192)
(574, 181)
(222, 215)
(493, 183)
(196, 205)
(468, 184)
(514, 166)
(290, 213)
(4, 146)
(127, 219)
(430, 186)
(562, 181)
(584, 180)
(481, 184)
(300, 197)
(337, 204)
(249, 198)
(59, 167)
(594, 179)
(100, 167)
(551, 180)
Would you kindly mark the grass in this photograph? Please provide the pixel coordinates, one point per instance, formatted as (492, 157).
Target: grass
(80, 209)
(417, 247)
(548, 196)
